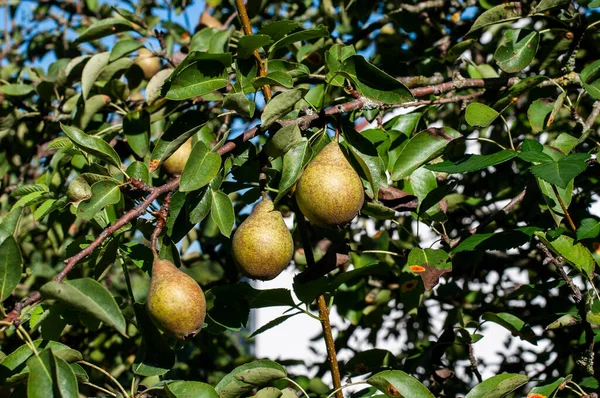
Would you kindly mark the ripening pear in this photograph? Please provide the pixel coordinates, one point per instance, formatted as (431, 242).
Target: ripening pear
(262, 245)
(175, 302)
(148, 62)
(330, 193)
(176, 162)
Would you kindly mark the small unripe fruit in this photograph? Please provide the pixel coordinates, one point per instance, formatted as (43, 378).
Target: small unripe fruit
(175, 163)
(149, 63)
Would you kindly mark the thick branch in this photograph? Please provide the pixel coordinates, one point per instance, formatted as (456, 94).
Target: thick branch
(589, 122)
(323, 311)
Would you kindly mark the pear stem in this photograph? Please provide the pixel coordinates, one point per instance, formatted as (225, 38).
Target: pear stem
(323, 310)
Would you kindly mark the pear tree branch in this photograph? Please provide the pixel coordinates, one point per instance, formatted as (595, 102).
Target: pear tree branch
(304, 123)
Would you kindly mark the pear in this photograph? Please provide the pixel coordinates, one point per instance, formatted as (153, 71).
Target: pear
(262, 245)
(175, 302)
(149, 63)
(329, 192)
(176, 162)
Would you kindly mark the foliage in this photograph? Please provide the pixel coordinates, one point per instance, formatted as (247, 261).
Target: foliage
(472, 125)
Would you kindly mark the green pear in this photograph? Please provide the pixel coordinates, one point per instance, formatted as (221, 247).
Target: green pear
(262, 245)
(175, 302)
(330, 193)
(175, 163)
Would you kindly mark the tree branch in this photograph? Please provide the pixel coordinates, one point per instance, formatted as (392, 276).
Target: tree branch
(161, 220)
(262, 71)
(323, 311)
(575, 292)
(132, 214)
(589, 122)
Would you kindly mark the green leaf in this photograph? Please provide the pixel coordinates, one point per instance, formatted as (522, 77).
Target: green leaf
(471, 163)
(271, 324)
(222, 212)
(11, 263)
(497, 240)
(246, 377)
(90, 108)
(154, 356)
(17, 90)
(9, 223)
(396, 383)
(124, 47)
(201, 167)
(535, 157)
(502, 13)
(93, 145)
(498, 386)
(280, 105)
(154, 87)
(199, 209)
(374, 83)
(136, 127)
(563, 321)
(293, 164)
(247, 44)
(283, 140)
(199, 74)
(480, 115)
(50, 376)
(88, 296)
(210, 40)
(91, 71)
(190, 389)
(103, 28)
(139, 171)
(104, 193)
(458, 49)
(268, 392)
(367, 157)
(517, 50)
(573, 253)
(303, 35)
(421, 148)
(179, 132)
(13, 367)
(548, 389)
(334, 58)
(239, 103)
(508, 321)
(429, 264)
(589, 229)
(544, 5)
(274, 78)
(590, 79)
(538, 112)
(377, 211)
(562, 172)
(277, 29)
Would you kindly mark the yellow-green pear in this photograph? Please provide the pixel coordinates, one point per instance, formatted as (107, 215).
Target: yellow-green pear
(148, 62)
(176, 162)
(175, 302)
(330, 193)
(262, 245)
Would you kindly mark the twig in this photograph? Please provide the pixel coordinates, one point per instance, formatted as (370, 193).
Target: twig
(504, 211)
(161, 220)
(575, 292)
(589, 122)
(99, 369)
(420, 6)
(446, 100)
(241, 8)
(564, 208)
(474, 363)
(70, 262)
(323, 311)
